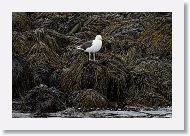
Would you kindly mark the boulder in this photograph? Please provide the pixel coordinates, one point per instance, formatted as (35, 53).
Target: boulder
(42, 99)
(88, 99)
(150, 84)
(22, 79)
(107, 76)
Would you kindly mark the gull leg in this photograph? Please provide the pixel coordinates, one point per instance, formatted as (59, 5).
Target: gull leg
(94, 56)
(89, 56)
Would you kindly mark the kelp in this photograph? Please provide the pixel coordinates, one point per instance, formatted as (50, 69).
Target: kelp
(40, 53)
(88, 99)
(108, 76)
(55, 77)
(157, 39)
(21, 22)
(23, 42)
(22, 79)
(42, 99)
(150, 83)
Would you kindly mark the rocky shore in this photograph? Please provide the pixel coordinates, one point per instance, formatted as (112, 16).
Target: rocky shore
(51, 78)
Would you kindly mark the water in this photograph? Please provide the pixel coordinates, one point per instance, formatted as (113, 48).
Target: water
(131, 112)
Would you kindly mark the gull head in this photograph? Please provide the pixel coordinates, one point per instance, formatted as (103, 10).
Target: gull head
(98, 37)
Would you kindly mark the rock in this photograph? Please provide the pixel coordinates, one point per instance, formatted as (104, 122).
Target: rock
(41, 53)
(43, 61)
(37, 39)
(149, 84)
(108, 76)
(22, 42)
(20, 22)
(133, 68)
(41, 73)
(22, 79)
(87, 100)
(42, 99)
(134, 53)
(160, 112)
(156, 40)
(55, 77)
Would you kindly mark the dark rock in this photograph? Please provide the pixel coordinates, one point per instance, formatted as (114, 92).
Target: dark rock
(42, 99)
(55, 78)
(41, 73)
(22, 79)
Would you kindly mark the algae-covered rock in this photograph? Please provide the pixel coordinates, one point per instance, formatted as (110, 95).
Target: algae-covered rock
(150, 84)
(41, 73)
(40, 53)
(133, 67)
(22, 79)
(42, 99)
(43, 61)
(88, 99)
(133, 55)
(24, 42)
(21, 22)
(108, 76)
(40, 50)
(157, 39)
(55, 77)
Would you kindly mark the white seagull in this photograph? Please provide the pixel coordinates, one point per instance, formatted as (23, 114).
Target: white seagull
(92, 46)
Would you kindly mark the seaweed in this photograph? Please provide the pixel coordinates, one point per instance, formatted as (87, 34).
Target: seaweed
(107, 76)
(42, 99)
(133, 68)
(22, 79)
(21, 22)
(88, 99)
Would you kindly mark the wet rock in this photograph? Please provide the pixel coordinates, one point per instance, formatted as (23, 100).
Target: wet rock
(160, 112)
(17, 114)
